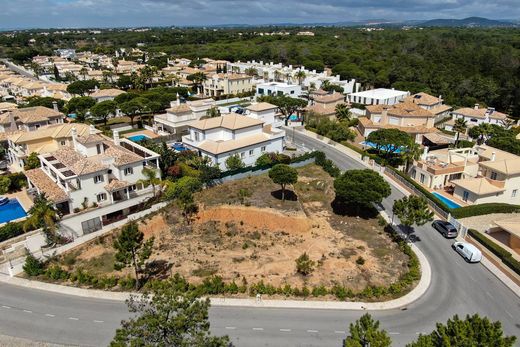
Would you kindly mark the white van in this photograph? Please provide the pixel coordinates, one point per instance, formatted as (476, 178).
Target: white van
(469, 252)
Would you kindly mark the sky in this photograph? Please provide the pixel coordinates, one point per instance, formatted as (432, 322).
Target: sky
(139, 13)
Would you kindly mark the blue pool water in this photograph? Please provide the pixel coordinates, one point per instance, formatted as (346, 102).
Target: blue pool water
(137, 138)
(294, 118)
(446, 201)
(372, 145)
(11, 211)
(178, 146)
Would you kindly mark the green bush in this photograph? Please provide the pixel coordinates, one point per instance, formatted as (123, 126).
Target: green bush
(10, 230)
(482, 209)
(326, 164)
(33, 266)
(505, 256)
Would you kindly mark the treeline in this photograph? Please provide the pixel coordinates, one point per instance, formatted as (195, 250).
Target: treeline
(465, 66)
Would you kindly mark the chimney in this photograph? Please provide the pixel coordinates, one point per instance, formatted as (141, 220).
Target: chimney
(74, 134)
(425, 152)
(116, 137)
(92, 129)
(440, 98)
(493, 156)
(55, 106)
(172, 104)
(178, 100)
(476, 106)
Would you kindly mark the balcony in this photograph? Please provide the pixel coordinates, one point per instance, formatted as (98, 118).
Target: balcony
(437, 167)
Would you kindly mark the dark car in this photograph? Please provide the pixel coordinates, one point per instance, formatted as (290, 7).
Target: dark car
(445, 228)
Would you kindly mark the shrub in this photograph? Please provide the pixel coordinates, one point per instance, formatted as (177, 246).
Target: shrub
(360, 260)
(319, 291)
(33, 266)
(264, 160)
(10, 230)
(56, 273)
(326, 164)
(304, 265)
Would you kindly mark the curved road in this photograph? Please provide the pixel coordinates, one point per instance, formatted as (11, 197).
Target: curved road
(456, 288)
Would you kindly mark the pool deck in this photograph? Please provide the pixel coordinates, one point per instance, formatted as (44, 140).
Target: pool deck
(145, 132)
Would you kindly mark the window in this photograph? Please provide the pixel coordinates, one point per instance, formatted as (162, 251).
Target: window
(98, 178)
(262, 149)
(251, 152)
(63, 143)
(129, 171)
(513, 194)
(132, 188)
(422, 178)
(465, 195)
(98, 148)
(292, 91)
(493, 175)
(196, 136)
(260, 91)
(101, 197)
(243, 155)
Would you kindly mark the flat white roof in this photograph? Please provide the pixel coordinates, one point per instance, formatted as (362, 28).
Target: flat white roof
(380, 93)
(277, 84)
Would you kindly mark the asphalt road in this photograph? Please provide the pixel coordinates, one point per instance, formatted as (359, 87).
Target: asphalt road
(457, 288)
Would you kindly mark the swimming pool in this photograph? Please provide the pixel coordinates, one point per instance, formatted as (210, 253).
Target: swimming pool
(384, 148)
(179, 146)
(294, 118)
(446, 201)
(138, 138)
(11, 211)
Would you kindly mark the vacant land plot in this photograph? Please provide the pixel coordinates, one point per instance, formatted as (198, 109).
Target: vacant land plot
(245, 233)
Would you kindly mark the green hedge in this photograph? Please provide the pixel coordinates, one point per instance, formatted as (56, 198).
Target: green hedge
(497, 250)
(10, 230)
(482, 209)
(303, 157)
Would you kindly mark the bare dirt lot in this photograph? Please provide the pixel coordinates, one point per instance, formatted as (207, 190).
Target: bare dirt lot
(242, 230)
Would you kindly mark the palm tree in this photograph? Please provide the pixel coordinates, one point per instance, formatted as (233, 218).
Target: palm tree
(460, 126)
(300, 75)
(42, 215)
(413, 152)
(251, 71)
(151, 178)
(342, 112)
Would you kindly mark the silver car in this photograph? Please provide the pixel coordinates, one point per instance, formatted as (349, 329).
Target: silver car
(445, 228)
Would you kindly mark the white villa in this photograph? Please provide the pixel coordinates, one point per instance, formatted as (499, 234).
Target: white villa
(265, 112)
(227, 84)
(94, 171)
(233, 134)
(380, 96)
(476, 115)
(278, 89)
(179, 115)
(476, 175)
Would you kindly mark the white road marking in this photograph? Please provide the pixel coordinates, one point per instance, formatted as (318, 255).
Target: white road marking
(339, 332)
(258, 329)
(312, 331)
(49, 315)
(5, 306)
(393, 333)
(98, 321)
(285, 330)
(27, 311)
(489, 294)
(231, 328)
(509, 314)
(73, 318)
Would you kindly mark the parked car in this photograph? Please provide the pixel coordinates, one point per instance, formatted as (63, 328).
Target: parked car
(469, 252)
(445, 228)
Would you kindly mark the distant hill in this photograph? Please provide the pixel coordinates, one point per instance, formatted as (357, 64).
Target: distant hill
(469, 22)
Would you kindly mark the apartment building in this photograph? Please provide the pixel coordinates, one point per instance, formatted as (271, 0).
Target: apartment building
(95, 171)
(379, 96)
(233, 134)
(179, 115)
(405, 116)
(227, 84)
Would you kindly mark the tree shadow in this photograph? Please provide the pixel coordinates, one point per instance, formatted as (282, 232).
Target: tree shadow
(352, 210)
(289, 195)
(407, 233)
(158, 269)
